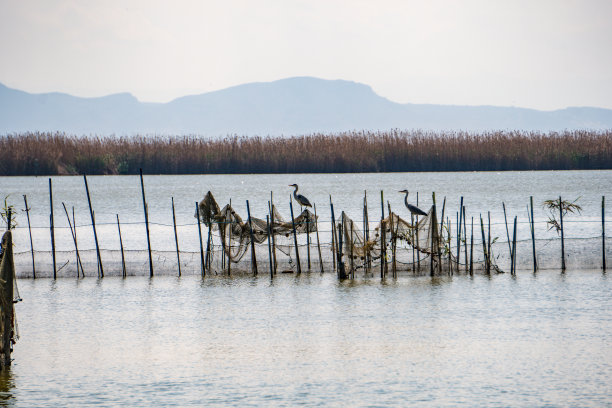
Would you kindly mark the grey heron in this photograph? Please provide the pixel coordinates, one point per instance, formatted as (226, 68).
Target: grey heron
(300, 198)
(413, 209)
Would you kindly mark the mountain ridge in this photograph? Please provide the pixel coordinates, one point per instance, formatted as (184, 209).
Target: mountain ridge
(290, 106)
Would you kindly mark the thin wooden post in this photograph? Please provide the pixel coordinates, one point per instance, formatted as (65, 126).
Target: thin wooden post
(562, 238)
(465, 250)
(489, 260)
(93, 224)
(484, 244)
(351, 243)
(308, 237)
(269, 231)
(318, 242)
(333, 234)
(178, 255)
(76, 239)
(532, 223)
(123, 268)
(393, 237)
(27, 210)
(507, 233)
(603, 232)
(412, 243)
(366, 228)
(472, 249)
(459, 224)
(513, 251)
(76, 246)
(52, 226)
(208, 244)
(437, 249)
(383, 240)
(417, 237)
(7, 272)
(271, 211)
(450, 246)
(146, 214)
(295, 242)
(341, 231)
(336, 235)
(229, 240)
(202, 269)
(253, 256)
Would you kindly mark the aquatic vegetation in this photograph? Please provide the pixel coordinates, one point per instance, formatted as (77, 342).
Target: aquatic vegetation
(358, 151)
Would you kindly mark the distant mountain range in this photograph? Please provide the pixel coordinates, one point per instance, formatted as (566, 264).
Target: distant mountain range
(291, 106)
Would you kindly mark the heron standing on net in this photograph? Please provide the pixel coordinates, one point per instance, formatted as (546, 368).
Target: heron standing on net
(300, 198)
(413, 209)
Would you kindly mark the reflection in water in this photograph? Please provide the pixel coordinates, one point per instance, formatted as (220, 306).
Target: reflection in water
(7, 385)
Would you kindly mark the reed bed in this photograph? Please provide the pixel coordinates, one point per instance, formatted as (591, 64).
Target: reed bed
(359, 151)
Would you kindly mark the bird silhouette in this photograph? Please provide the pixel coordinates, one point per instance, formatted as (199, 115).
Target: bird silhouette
(300, 198)
(412, 208)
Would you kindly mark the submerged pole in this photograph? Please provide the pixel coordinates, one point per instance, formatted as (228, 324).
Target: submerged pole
(74, 239)
(532, 223)
(146, 214)
(334, 238)
(7, 273)
(472, 248)
(178, 255)
(507, 233)
(253, 256)
(93, 224)
(295, 242)
(603, 232)
(383, 240)
(465, 250)
(489, 243)
(513, 251)
(202, 268)
(459, 225)
(562, 238)
(318, 242)
(52, 226)
(308, 237)
(123, 269)
(484, 244)
(271, 211)
(269, 231)
(27, 210)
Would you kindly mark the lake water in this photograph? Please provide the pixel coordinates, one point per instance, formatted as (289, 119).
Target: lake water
(526, 340)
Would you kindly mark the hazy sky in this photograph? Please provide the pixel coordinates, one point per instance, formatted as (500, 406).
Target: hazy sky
(537, 54)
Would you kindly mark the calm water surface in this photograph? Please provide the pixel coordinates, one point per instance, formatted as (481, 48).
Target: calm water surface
(540, 340)
(531, 340)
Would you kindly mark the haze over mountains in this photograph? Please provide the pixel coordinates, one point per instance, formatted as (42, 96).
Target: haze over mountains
(287, 107)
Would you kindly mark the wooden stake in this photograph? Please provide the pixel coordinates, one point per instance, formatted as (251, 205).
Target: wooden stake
(318, 242)
(146, 214)
(93, 224)
(253, 256)
(308, 238)
(341, 267)
(7, 273)
(52, 230)
(27, 210)
(489, 255)
(465, 250)
(269, 231)
(383, 240)
(484, 244)
(472, 249)
(202, 269)
(271, 210)
(295, 242)
(74, 239)
(603, 232)
(417, 237)
(366, 229)
(178, 255)
(123, 269)
(412, 243)
(562, 239)
(333, 232)
(459, 224)
(513, 251)
(507, 233)
(535, 262)
(229, 240)
(351, 244)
